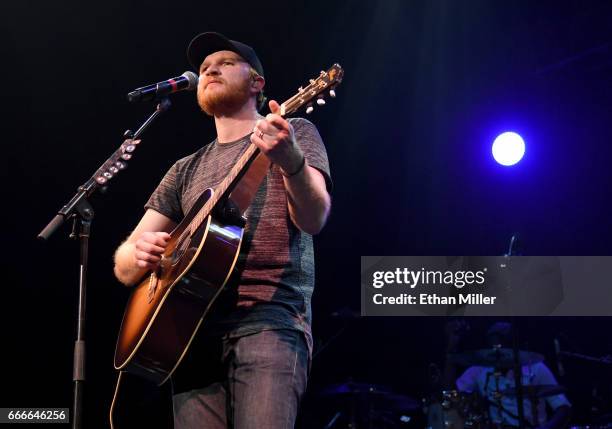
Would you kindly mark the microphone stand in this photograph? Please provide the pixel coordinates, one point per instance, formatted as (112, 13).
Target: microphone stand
(518, 369)
(80, 211)
(518, 375)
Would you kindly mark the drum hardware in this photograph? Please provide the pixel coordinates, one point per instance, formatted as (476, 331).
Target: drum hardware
(453, 409)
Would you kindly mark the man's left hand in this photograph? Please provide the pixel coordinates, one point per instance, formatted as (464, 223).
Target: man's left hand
(274, 136)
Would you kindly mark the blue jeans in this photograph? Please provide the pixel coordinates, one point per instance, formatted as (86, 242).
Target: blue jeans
(255, 381)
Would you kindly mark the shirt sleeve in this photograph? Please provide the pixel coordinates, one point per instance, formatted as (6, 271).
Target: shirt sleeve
(309, 139)
(543, 375)
(166, 197)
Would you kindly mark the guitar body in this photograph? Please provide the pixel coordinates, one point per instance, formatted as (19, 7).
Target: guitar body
(166, 309)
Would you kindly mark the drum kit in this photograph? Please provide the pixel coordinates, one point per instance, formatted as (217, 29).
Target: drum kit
(458, 410)
(362, 405)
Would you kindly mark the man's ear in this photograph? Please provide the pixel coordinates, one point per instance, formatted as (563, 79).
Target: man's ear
(258, 83)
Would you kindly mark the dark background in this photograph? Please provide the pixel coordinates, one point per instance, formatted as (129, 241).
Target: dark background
(428, 86)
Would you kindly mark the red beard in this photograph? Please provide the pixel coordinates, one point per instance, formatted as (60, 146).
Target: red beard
(225, 99)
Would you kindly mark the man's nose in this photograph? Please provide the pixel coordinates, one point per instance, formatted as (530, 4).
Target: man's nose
(212, 70)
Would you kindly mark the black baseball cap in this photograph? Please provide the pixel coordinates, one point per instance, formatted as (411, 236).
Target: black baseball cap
(205, 44)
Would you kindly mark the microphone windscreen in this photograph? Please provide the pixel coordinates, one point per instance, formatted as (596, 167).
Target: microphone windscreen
(192, 78)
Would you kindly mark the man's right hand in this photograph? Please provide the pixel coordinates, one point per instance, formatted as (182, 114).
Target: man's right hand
(143, 249)
(149, 248)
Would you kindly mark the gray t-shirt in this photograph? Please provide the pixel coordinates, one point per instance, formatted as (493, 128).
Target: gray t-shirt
(274, 279)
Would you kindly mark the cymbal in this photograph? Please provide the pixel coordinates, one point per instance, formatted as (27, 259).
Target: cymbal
(536, 390)
(502, 358)
(354, 388)
(372, 395)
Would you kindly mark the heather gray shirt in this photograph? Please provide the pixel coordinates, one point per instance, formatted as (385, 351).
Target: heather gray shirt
(273, 285)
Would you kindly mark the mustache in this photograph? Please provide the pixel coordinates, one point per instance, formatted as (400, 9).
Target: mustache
(213, 80)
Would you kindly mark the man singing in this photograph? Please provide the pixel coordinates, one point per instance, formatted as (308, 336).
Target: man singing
(248, 366)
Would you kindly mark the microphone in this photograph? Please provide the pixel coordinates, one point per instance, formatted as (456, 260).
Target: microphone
(512, 248)
(560, 368)
(188, 81)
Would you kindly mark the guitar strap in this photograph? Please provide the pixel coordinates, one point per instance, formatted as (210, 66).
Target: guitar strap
(245, 189)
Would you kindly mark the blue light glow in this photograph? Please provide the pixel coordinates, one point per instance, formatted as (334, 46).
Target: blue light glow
(508, 148)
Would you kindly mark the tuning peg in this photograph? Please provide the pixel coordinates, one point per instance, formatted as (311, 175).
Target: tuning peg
(101, 180)
(114, 170)
(126, 156)
(120, 165)
(300, 89)
(320, 101)
(332, 93)
(107, 175)
(130, 148)
(309, 109)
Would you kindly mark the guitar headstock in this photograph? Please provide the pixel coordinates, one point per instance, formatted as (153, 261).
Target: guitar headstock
(315, 90)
